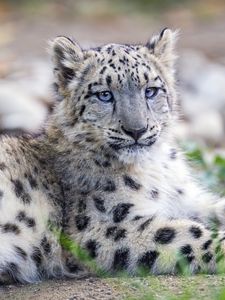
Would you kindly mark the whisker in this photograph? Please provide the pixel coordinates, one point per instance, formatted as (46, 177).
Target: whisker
(117, 138)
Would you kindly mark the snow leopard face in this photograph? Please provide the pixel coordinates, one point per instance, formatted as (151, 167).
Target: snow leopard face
(119, 98)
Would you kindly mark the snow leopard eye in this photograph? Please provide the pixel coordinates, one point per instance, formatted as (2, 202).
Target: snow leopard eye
(105, 96)
(151, 92)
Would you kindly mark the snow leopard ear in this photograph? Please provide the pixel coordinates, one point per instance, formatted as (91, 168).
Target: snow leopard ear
(162, 46)
(67, 56)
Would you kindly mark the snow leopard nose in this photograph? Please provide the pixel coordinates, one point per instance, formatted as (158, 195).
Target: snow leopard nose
(135, 133)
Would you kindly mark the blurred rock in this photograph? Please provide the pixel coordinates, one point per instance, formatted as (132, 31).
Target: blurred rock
(34, 77)
(202, 93)
(25, 96)
(19, 110)
(202, 83)
(207, 127)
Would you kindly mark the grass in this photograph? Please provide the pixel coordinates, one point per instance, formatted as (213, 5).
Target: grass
(207, 287)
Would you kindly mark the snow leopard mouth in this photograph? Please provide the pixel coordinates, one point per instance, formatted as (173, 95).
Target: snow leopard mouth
(135, 146)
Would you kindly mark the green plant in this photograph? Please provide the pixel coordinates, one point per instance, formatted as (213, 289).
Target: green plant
(209, 167)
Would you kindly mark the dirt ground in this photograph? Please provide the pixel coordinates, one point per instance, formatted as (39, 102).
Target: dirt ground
(206, 287)
(87, 289)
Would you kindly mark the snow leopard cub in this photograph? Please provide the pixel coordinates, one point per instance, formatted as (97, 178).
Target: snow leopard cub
(106, 172)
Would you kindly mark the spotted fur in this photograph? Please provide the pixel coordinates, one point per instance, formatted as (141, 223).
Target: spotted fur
(106, 172)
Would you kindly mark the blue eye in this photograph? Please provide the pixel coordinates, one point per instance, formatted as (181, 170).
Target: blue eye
(151, 92)
(105, 96)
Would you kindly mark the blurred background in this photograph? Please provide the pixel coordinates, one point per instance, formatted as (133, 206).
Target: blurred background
(26, 74)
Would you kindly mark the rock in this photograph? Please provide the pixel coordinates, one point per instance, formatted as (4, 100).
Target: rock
(33, 76)
(202, 94)
(19, 110)
(202, 83)
(25, 94)
(209, 127)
